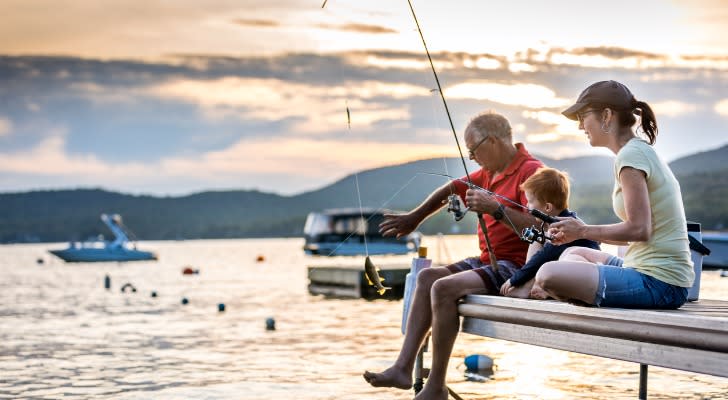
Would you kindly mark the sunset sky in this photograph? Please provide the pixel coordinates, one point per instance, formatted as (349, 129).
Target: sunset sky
(177, 97)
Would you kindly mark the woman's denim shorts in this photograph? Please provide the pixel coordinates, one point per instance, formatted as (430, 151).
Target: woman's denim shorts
(625, 287)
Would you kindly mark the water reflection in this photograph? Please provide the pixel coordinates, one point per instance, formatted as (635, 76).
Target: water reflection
(64, 335)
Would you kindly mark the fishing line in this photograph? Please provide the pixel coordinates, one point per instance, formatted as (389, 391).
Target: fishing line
(535, 212)
(481, 221)
(378, 210)
(476, 187)
(437, 124)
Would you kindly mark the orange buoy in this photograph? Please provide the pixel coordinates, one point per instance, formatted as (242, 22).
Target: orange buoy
(260, 258)
(190, 271)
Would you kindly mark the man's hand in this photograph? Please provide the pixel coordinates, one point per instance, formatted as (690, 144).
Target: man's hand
(398, 224)
(480, 201)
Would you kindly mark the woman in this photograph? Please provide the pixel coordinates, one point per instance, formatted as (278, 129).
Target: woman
(656, 270)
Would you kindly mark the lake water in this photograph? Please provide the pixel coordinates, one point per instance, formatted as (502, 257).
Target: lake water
(64, 336)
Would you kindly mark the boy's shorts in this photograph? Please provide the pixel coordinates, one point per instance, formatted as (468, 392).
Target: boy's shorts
(491, 279)
(625, 287)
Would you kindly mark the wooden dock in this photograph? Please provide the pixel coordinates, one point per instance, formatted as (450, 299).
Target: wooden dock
(693, 338)
(349, 281)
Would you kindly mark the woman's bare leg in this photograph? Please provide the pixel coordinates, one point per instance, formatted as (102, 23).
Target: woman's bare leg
(585, 254)
(568, 280)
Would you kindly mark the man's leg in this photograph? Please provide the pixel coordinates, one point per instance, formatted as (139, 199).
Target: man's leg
(446, 293)
(419, 320)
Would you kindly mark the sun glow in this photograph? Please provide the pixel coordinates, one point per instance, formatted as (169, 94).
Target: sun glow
(519, 94)
(721, 107)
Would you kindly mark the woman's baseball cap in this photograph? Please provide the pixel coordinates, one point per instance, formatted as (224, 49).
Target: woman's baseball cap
(610, 93)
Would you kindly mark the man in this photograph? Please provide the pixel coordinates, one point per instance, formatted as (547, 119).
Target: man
(504, 167)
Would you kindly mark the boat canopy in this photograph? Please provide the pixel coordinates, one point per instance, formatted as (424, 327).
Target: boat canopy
(343, 221)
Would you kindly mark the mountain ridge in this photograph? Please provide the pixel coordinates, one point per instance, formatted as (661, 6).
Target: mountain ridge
(60, 215)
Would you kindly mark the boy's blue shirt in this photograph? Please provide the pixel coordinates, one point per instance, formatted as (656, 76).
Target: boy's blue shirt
(548, 253)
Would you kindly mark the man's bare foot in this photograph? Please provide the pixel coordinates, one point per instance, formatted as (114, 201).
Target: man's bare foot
(430, 393)
(390, 377)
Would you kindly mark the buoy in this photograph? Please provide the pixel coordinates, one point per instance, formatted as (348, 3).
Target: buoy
(190, 271)
(128, 286)
(260, 258)
(478, 362)
(107, 282)
(221, 307)
(40, 260)
(270, 324)
(154, 294)
(184, 300)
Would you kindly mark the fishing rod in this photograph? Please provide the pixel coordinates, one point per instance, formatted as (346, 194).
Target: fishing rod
(535, 212)
(481, 221)
(529, 234)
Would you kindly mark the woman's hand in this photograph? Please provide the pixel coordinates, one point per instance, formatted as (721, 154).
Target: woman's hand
(566, 230)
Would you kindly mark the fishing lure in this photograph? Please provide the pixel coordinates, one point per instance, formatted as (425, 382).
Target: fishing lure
(372, 274)
(348, 117)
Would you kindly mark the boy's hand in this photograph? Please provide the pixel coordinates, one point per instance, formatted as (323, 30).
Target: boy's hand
(506, 288)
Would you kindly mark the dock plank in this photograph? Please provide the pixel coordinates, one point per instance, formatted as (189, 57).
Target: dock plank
(349, 281)
(692, 338)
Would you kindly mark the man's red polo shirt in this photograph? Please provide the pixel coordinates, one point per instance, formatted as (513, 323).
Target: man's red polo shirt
(506, 244)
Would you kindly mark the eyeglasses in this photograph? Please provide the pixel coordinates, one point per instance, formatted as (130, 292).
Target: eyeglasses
(580, 116)
(471, 152)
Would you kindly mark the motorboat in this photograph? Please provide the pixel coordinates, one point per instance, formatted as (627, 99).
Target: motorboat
(717, 242)
(122, 248)
(351, 232)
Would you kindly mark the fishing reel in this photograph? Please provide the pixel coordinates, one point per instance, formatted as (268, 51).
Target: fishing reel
(533, 234)
(455, 206)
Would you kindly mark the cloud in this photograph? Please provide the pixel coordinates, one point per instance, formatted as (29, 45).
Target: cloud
(358, 28)
(310, 158)
(280, 123)
(673, 108)
(258, 23)
(721, 107)
(245, 163)
(316, 108)
(49, 159)
(6, 126)
(614, 53)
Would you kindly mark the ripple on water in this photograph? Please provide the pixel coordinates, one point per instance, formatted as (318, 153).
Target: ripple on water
(64, 335)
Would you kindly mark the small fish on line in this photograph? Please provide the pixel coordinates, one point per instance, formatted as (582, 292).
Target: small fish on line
(372, 274)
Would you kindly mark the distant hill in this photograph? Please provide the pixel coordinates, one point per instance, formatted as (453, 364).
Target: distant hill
(701, 162)
(62, 215)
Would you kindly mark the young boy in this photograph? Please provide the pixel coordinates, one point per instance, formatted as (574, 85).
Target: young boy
(546, 190)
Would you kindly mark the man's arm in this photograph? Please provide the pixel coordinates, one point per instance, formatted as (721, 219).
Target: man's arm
(403, 224)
